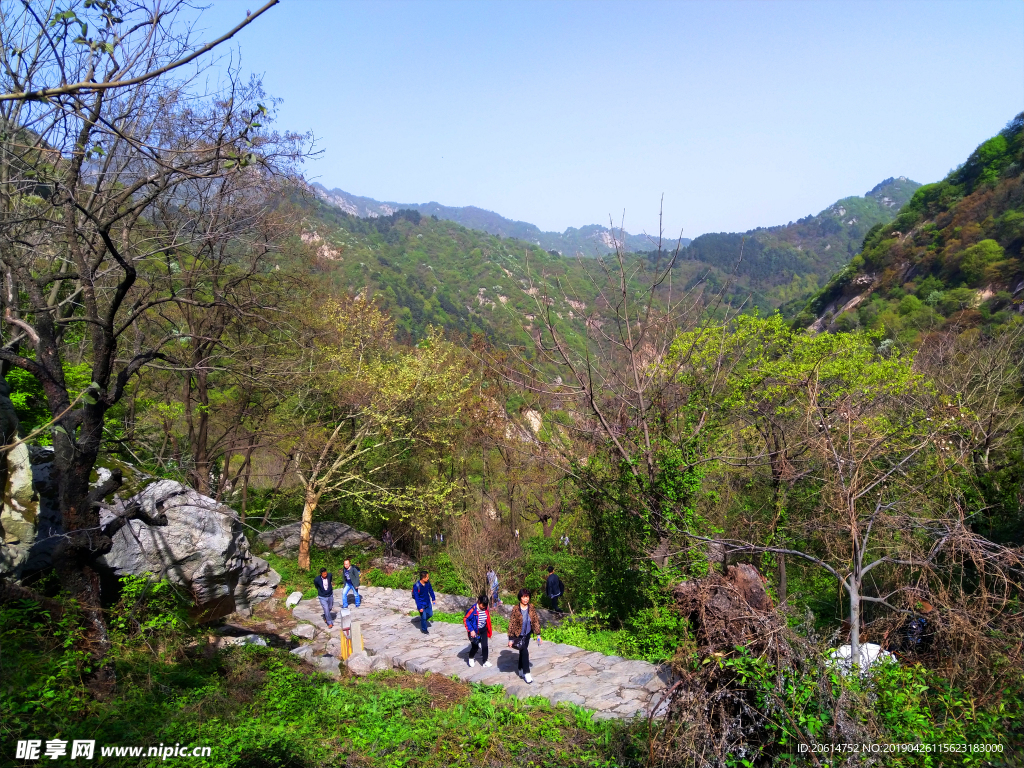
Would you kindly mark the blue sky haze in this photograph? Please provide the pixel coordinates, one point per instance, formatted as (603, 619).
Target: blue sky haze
(742, 114)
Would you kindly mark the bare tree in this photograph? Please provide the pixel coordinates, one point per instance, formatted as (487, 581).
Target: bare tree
(95, 212)
(870, 444)
(613, 377)
(113, 49)
(476, 543)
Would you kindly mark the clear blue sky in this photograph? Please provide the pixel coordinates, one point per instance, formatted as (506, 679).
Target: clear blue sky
(743, 114)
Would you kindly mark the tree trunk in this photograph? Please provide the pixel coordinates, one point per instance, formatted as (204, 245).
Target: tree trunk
(305, 532)
(277, 487)
(854, 589)
(82, 543)
(660, 554)
(245, 488)
(782, 578)
(198, 420)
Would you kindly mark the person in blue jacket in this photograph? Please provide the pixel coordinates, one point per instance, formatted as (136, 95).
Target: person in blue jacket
(423, 594)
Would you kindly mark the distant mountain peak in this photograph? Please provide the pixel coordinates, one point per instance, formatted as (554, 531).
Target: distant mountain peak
(892, 192)
(589, 240)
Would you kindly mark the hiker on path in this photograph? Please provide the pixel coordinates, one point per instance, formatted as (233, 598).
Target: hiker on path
(351, 584)
(523, 622)
(492, 585)
(553, 588)
(478, 626)
(389, 543)
(423, 594)
(324, 584)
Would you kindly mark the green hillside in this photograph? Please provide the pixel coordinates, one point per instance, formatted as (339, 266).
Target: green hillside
(428, 271)
(951, 257)
(787, 263)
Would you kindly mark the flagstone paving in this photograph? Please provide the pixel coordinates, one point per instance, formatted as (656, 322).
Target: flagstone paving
(610, 685)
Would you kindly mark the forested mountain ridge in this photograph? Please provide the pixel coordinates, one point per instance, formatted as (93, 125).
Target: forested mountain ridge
(951, 256)
(786, 263)
(427, 269)
(589, 240)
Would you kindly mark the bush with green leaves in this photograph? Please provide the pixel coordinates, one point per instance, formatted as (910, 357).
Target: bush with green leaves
(42, 661)
(574, 568)
(896, 703)
(148, 606)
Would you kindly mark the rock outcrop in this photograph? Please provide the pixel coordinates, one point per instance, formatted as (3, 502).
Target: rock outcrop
(20, 513)
(200, 547)
(325, 535)
(391, 563)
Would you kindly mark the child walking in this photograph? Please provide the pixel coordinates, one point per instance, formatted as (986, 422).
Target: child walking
(478, 627)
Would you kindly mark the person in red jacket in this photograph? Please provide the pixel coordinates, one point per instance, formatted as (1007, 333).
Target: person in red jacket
(478, 626)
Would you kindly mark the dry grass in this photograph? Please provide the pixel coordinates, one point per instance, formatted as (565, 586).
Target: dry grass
(444, 692)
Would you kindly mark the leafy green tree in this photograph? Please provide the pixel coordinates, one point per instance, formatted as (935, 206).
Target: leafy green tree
(866, 453)
(975, 260)
(363, 404)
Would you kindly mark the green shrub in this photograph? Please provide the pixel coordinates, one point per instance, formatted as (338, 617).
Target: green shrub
(147, 607)
(653, 634)
(42, 663)
(576, 571)
(914, 705)
(975, 260)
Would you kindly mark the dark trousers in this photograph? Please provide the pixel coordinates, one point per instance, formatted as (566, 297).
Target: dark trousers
(480, 641)
(554, 603)
(425, 615)
(524, 655)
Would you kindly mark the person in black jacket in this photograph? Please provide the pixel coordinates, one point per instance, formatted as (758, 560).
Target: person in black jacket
(324, 584)
(553, 588)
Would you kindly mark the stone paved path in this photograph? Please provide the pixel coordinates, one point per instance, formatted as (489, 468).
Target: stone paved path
(610, 685)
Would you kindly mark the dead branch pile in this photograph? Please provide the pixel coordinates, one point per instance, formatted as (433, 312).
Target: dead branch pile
(711, 715)
(732, 610)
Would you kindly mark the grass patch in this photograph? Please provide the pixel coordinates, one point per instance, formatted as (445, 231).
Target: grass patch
(442, 575)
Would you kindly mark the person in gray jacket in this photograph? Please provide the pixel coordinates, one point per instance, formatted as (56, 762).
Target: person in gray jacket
(351, 584)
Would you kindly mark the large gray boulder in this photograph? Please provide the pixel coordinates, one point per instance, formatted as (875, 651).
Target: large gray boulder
(325, 535)
(30, 519)
(359, 663)
(201, 548)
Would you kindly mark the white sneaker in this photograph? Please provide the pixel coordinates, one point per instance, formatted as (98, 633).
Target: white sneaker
(488, 664)
(471, 662)
(527, 678)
